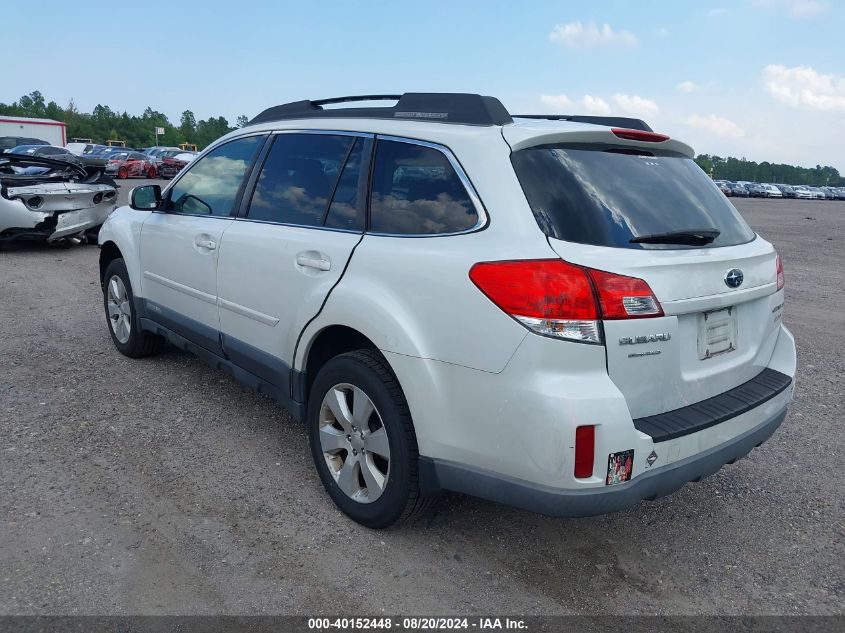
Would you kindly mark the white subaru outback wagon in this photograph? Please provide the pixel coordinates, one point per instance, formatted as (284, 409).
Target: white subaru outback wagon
(561, 313)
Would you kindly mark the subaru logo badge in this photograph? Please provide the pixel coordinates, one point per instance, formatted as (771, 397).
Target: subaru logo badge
(733, 278)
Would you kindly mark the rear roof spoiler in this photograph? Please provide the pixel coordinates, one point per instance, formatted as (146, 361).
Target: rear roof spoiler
(609, 121)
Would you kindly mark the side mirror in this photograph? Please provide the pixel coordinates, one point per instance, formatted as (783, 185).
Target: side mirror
(145, 198)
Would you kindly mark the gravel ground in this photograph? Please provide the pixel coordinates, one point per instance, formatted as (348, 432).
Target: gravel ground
(163, 486)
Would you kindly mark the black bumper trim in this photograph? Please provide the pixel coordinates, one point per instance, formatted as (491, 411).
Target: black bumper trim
(702, 415)
(438, 475)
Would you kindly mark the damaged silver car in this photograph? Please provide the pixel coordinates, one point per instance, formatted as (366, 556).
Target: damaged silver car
(52, 200)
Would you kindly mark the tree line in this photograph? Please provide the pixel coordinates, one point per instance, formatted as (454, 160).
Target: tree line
(741, 169)
(105, 124)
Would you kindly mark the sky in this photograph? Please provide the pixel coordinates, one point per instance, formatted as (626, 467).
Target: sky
(760, 79)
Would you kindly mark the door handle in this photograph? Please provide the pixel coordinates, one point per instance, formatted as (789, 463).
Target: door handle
(209, 244)
(314, 260)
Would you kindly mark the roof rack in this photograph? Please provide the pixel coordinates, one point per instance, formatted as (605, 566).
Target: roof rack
(442, 107)
(610, 121)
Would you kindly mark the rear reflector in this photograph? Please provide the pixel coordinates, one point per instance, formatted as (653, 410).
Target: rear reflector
(779, 268)
(639, 135)
(585, 451)
(558, 299)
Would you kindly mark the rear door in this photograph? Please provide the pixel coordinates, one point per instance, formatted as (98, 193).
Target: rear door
(295, 233)
(626, 210)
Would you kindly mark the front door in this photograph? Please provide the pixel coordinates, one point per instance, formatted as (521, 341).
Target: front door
(179, 245)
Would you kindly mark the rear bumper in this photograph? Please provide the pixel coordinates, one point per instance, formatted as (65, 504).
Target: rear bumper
(19, 223)
(438, 475)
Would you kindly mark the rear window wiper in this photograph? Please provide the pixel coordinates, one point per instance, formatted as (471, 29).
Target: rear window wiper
(688, 237)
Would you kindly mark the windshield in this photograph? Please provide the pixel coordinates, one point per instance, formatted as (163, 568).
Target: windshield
(608, 197)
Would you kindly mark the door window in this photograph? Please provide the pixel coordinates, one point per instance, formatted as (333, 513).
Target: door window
(298, 178)
(343, 211)
(211, 184)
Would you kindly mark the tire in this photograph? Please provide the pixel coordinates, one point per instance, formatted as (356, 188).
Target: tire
(92, 234)
(122, 173)
(151, 173)
(400, 499)
(118, 301)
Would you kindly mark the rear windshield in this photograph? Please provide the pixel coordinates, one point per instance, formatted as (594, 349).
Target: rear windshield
(607, 197)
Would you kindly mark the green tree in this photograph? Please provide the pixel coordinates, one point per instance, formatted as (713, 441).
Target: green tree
(188, 126)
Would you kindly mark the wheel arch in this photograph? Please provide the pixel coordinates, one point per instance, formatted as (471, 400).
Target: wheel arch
(109, 252)
(325, 344)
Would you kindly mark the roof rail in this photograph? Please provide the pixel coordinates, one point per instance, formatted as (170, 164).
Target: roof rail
(442, 107)
(610, 121)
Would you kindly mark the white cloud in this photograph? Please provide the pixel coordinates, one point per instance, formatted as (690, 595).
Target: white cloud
(595, 105)
(803, 86)
(806, 8)
(795, 8)
(687, 86)
(634, 104)
(716, 125)
(559, 102)
(712, 13)
(584, 36)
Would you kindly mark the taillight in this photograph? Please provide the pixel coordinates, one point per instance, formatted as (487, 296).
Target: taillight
(624, 297)
(779, 269)
(555, 298)
(639, 135)
(585, 451)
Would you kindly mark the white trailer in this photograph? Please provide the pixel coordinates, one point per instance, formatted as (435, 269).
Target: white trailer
(54, 132)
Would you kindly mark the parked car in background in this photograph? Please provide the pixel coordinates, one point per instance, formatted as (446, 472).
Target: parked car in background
(158, 158)
(724, 187)
(158, 150)
(107, 152)
(9, 142)
(802, 192)
(755, 190)
(130, 165)
(839, 192)
(829, 192)
(770, 191)
(737, 190)
(47, 151)
(51, 200)
(818, 194)
(172, 165)
(80, 148)
(786, 190)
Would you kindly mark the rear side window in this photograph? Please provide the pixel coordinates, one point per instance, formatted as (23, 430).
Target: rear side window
(606, 197)
(416, 191)
(298, 178)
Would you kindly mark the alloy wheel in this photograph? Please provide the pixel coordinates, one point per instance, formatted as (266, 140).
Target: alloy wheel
(354, 442)
(120, 316)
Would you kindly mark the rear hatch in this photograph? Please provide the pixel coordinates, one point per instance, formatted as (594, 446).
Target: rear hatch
(640, 207)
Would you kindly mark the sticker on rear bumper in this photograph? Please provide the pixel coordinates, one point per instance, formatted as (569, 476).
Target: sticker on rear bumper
(619, 467)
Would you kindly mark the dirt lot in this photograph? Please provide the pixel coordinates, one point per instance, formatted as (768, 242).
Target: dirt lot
(163, 486)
